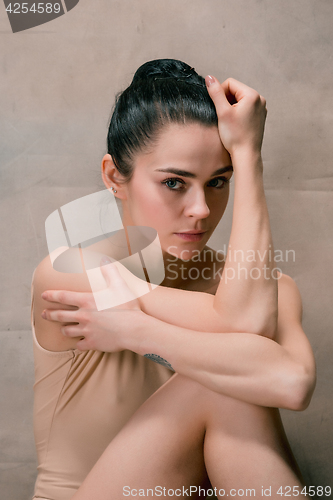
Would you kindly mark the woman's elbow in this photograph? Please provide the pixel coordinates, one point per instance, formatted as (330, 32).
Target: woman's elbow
(299, 391)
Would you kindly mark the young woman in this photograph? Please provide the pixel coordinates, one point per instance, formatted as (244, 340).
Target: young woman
(230, 330)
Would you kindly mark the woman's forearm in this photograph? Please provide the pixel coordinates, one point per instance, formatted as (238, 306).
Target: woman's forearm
(247, 293)
(244, 366)
(185, 329)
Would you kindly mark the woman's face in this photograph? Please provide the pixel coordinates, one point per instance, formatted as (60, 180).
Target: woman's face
(180, 188)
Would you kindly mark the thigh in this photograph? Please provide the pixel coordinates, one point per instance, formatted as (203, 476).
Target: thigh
(160, 447)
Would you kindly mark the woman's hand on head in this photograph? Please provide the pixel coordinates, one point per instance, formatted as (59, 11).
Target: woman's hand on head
(103, 330)
(241, 113)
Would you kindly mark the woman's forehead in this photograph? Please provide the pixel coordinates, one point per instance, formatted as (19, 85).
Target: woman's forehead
(185, 144)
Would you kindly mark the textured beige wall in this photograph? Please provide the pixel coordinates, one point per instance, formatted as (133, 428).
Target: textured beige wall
(58, 83)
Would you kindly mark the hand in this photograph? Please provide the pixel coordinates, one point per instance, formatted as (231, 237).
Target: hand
(241, 113)
(105, 330)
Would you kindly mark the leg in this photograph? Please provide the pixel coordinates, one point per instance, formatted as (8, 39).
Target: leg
(246, 448)
(162, 445)
(184, 427)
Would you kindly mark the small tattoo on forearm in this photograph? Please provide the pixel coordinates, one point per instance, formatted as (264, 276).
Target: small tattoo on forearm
(159, 360)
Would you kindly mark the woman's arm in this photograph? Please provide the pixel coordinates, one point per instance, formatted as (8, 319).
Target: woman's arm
(247, 293)
(245, 366)
(183, 329)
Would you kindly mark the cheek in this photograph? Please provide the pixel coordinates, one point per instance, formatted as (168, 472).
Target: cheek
(149, 207)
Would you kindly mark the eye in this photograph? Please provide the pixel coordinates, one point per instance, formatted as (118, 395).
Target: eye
(219, 182)
(174, 184)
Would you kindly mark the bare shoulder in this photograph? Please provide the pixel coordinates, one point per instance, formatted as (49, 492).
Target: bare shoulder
(289, 299)
(48, 333)
(290, 331)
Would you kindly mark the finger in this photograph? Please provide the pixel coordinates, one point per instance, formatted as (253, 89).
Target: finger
(63, 316)
(72, 331)
(65, 297)
(217, 94)
(237, 89)
(82, 345)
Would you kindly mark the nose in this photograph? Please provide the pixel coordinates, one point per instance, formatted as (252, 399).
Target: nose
(197, 206)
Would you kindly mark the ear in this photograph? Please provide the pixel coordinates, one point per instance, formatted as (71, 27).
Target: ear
(111, 177)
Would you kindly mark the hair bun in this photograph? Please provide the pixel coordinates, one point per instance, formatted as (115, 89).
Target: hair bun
(164, 68)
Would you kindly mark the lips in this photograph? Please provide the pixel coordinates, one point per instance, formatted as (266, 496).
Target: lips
(199, 231)
(191, 235)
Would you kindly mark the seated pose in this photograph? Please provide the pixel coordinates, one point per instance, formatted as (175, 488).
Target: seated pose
(112, 419)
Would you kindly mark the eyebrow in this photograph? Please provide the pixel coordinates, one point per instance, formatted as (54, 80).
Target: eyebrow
(184, 173)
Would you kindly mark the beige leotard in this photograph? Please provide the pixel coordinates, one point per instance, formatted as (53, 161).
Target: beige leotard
(82, 400)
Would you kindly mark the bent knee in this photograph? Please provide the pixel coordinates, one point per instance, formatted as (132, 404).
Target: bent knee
(217, 408)
(212, 408)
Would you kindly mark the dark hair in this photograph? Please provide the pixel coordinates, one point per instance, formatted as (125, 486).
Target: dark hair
(162, 91)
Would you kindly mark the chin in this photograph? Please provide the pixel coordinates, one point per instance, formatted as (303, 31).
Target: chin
(184, 252)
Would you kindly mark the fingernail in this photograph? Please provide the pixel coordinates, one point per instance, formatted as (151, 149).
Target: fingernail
(44, 295)
(209, 80)
(44, 315)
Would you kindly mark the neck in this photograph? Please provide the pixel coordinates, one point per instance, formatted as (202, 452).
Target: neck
(186, 274)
